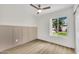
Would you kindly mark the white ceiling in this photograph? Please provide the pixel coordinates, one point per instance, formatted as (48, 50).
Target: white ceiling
(54, 7)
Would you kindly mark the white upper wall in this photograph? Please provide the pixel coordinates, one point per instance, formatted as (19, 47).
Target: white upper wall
(18, 15)
(43, 27)
(24, 14)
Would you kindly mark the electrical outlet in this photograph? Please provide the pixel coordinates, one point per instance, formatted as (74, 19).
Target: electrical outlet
(16, 40)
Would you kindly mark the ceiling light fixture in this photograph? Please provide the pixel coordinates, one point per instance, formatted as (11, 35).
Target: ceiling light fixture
(39, 10)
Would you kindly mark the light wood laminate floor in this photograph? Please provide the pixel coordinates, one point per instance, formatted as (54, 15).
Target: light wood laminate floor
(40, 47)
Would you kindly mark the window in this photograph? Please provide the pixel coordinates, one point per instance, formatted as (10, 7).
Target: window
(58, 26)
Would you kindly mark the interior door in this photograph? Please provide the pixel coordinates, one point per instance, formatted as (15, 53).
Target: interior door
(77, 29)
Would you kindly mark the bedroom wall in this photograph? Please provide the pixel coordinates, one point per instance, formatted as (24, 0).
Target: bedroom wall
(43, 27)
(17, 25)
(16, 15)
